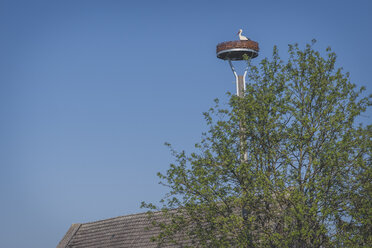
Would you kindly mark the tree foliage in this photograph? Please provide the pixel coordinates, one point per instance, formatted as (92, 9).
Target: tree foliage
(306, 181)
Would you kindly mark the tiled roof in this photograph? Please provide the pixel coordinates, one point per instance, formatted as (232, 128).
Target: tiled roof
(120, 232)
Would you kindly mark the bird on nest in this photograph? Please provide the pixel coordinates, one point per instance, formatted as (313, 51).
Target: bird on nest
(242, 37)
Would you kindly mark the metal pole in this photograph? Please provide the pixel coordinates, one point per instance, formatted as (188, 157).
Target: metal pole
(239, 80)
(245, 75)
(240, 90)
(236, 77)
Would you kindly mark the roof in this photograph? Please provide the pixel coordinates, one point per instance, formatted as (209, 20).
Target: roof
(120, 232)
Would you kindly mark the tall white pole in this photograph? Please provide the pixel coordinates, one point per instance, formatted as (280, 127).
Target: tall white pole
(240, 90)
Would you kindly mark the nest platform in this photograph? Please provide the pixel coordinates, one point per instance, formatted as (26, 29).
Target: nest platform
(235, 50)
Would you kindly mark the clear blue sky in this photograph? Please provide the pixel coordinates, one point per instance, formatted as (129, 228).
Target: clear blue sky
(90, 91)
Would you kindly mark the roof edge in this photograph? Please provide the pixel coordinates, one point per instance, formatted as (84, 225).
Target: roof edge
(124, 217)
(68, 236)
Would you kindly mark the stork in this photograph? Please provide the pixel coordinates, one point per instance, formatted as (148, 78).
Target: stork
(242, 37)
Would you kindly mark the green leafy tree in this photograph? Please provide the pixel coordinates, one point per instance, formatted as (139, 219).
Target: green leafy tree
(284, 166)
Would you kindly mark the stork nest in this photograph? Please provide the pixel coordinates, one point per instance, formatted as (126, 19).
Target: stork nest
(250, 44)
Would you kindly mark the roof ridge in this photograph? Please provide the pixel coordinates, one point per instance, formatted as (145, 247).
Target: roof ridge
(121, 217)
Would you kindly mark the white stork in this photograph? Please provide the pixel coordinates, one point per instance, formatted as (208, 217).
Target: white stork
(242, 37)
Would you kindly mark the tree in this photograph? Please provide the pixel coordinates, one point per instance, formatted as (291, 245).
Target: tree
(307, 179)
